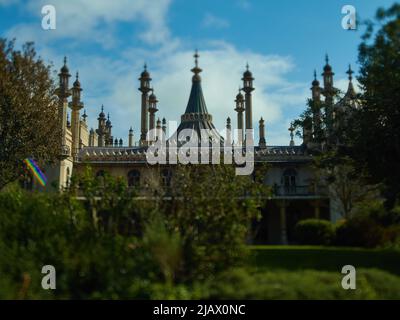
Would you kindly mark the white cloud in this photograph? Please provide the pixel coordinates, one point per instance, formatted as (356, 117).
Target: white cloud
(211, 21)
(82, 20)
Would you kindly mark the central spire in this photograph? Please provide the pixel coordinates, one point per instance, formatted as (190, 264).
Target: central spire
(196, 115)
(196, 102)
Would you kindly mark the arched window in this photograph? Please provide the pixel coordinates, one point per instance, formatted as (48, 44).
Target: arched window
(134, 178)
(289, 180)
(166, 176)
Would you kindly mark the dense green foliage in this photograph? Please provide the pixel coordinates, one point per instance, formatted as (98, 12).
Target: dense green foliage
(373, 138)
(29, 125)
(110, 243)
(314, 232)
(371, 225)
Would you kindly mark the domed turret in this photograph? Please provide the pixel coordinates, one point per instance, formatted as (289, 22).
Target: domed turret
(101, 114)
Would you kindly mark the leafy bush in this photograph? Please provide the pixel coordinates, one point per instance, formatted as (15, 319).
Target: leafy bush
(359, 231)
(376, 210)
(314, 232)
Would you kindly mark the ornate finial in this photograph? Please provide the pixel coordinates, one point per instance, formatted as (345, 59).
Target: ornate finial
(131, 130)
(164, 121)
(196, 70)
(247, 66)
(315, 74)
(84, 116)
(350, 73)
(102, 108)
(196, 57)
(145, 66)
(327, 59)
(65, 60)
(108, 116)
(77, 75)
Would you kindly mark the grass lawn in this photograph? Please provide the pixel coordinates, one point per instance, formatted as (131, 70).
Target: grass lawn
(305, 272)
(292, 258)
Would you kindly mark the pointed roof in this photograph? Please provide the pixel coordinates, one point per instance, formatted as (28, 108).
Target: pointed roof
(196, 115)
(351, 93)
(196, 103)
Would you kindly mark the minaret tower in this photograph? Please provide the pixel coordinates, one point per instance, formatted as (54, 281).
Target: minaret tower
(164, 127)
(315, 89)
(228, 141)
(329, 93)
(158, 130)
(316, 103)
(144, 89)
(240, 109)
(248, 89)
(76, 105)
(63, 94)
(108, 134)
(329, 90)
(130, 138)
(262, 143)
(152, 111)
(101, 131)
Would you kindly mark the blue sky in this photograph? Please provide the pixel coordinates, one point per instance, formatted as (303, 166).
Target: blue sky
(109, 41)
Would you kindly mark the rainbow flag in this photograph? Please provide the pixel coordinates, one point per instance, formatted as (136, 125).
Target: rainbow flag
(37, 173)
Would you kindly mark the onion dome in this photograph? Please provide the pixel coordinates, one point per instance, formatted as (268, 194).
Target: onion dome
(327, 67)
(64, 68)
(77, 84)
(145, 73)
(101, 114)
(247, 73)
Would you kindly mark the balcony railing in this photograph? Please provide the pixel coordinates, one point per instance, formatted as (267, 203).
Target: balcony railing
(310, 190)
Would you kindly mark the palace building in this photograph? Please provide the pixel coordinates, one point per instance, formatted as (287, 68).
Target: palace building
(297, 193)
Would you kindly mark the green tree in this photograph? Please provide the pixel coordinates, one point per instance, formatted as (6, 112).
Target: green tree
(374, 136)
(29, 124)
